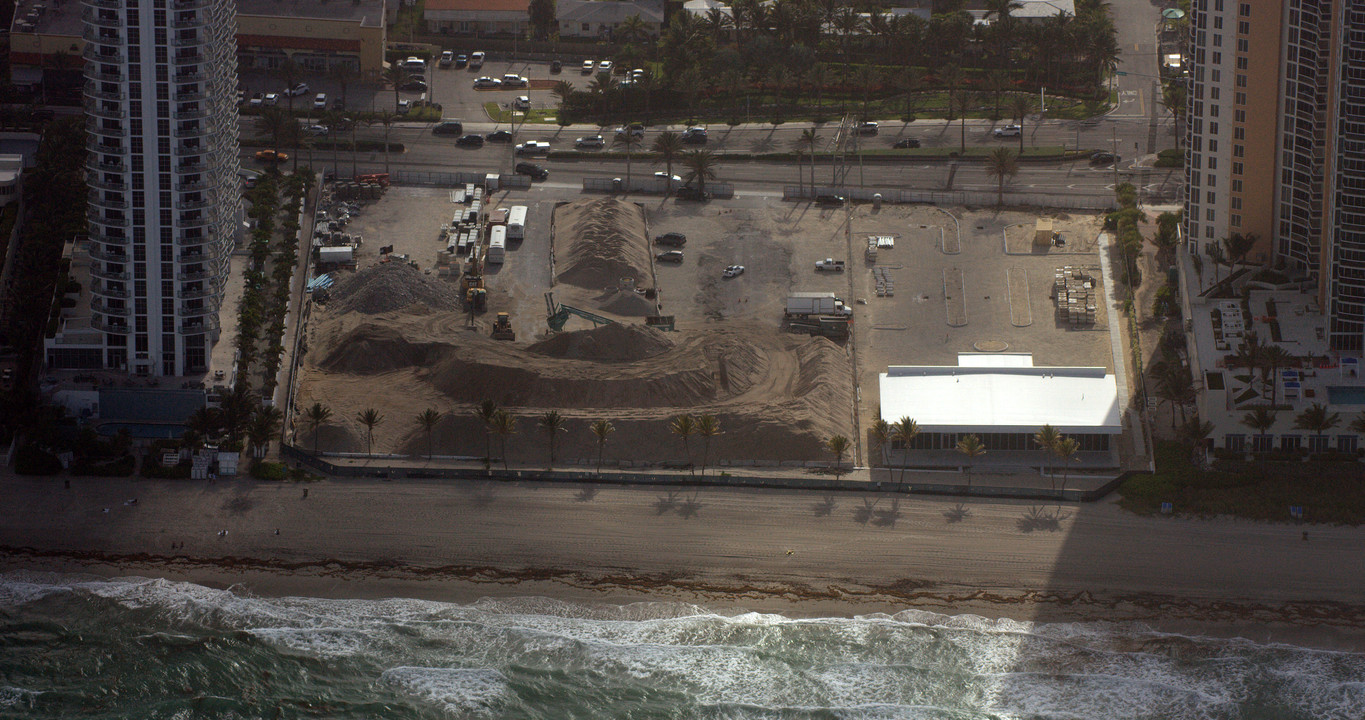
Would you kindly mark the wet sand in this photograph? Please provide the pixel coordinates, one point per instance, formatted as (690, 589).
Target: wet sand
(796, 553)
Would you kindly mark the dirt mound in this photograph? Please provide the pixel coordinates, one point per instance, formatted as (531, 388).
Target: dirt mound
(392, 286)
(603, 241)
(370, 348)
(613, 343)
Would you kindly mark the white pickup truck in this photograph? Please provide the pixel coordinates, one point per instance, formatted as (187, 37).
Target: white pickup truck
(829, 265)
(533, 147)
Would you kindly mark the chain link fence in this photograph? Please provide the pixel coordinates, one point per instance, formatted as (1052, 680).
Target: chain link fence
(457, 179)
(954, 198)
(650, 186)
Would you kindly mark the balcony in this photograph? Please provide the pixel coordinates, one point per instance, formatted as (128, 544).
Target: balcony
(187, 311)
(97, 53)
(97, 145)
(100, 289)
(195, 327)
(178, 41)
(191, 186)
(192, 59)
(98, 201)
(99, 111)
(100, 307)
(98, 181)
(103, 271)
(100, 323)
(193, 276)
(98, 252)
(99, 19)
(189, 96)
(113, 240)
(93, 164)
(98, 219)
(96, 127)
(195, 294)
(190, 132)
(190, 168)
(196, 114)
(111, 4)
(193, 204)
(92, 91)
(191, 5)
(184, 77)
(114, 77)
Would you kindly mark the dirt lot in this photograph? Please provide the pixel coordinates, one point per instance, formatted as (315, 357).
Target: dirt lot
(777, 394)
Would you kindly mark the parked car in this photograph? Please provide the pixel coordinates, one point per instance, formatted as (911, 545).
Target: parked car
(634, 129)
(867, 127)
(676, 239)
(486, 82)
(733, 271)
(535, 171)
(447, 59)
(413, 86)
(1008, 131)
(241, 97)
(469, 140)
(415, 64)
(271, 99)
(257, 100)
(320, 101)
(588, 67)
(590, 142)
(461, 60)
(316, 130)
(829, 200)
(1104, 158)
(677, 179)
(905, 143)
(476, 60)
(637, 75)
(604, 66)
(499, 136)
(523, 102)
(297, 90)
(404, 106)
(448, 127)
(556, 66)
(672, 256)
(513, 80)
(271, 156)
(694, 136)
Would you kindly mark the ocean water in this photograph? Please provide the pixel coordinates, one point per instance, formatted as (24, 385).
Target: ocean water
(74, 647)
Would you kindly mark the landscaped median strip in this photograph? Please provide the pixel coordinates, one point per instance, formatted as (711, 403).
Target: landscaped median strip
(974, 154)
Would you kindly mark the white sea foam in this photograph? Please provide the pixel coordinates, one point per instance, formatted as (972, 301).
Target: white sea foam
(13, 697)
(462, 691)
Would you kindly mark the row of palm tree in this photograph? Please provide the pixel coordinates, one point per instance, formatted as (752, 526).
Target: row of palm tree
(1316, 418)
(904, 432)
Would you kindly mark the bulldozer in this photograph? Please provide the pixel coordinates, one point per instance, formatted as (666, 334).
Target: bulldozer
(502, 327)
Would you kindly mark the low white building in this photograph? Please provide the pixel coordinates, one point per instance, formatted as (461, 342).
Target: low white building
(602, 18)
(1004, 399)
(477, 17)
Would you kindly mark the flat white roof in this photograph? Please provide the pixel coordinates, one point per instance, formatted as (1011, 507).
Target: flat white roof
(1002, 393)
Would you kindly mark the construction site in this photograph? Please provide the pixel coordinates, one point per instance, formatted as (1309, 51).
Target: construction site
(772, 317)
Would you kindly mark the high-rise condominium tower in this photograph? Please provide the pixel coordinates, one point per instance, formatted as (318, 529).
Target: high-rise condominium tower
(160, 90)
(1277, 142)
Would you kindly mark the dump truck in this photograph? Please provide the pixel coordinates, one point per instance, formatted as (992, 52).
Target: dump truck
(830, 326)
(830, 265)
(808, 304)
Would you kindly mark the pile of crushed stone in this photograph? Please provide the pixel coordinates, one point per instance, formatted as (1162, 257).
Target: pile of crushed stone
(605, 241)
(392, 286)
(613, 343)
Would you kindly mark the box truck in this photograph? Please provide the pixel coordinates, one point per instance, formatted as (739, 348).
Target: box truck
(516, 223)
(806, 304)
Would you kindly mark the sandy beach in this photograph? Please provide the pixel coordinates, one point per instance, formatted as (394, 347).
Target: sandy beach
(795, 553)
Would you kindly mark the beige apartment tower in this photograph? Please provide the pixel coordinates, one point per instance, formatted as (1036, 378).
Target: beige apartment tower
(1276, 143)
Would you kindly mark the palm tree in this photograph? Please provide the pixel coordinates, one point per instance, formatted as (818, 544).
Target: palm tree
(387, 119)
(701, 166)
(1020, 106)
(880, 433)
(275, 122)
(905, 432)
(1194, 431)
(203, 421)
(428, 419)
(264, 425)
(1174, 385)
(707, 427)
(552, 424)
(1358, 425)
(668, 145)
(395, 75)
(910, 80)
(960, 101)
(808, 141)
(1237, 246)
(288, 73)
(1066, 449)
(839, 446)
(601, 429)
(563, 90)
(684, 426)
(488, 413)
(631, 142)
(1002, 165)
(504, 426)
(369, 417)
(632, 29)
(1273, 358)
(972, 447)
(342, 74)
(334, 122)
(603, 85)
(316, 416)
(1260, 418)
(1317, 419)
(1046, 439)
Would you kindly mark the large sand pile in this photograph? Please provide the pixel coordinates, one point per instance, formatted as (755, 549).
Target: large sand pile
(778, 395)
(615, 343)
(600, 242)
(392, 286)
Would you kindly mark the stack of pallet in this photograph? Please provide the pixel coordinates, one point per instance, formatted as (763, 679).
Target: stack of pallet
(886, 286)
(1074, 292)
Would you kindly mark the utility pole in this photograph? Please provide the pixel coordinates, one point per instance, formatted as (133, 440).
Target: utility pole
(1115, 132)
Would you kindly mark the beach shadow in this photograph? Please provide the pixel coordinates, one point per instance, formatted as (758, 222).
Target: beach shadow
(587, 494)
(824, 508)
(863, 514)
(888, 517)
(665, 505)
(689, 508)
(957, 513)
(239, 505)
(1039, 519)
(482, 495)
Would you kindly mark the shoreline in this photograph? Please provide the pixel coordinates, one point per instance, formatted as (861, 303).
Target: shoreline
(799, 554)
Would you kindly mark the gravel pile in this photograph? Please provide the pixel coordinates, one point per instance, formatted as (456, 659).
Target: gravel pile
(392, 286)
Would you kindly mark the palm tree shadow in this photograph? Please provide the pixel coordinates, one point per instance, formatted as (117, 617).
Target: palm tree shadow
(664, 505)
(765, 144)
(690, 507)
(482, 495)
(957, 513)
(825, 508)
(1038, 518)
(864, 513)
(587, 494)
(888, 517)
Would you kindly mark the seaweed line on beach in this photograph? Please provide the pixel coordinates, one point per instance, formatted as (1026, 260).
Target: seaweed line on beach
(1140, 606)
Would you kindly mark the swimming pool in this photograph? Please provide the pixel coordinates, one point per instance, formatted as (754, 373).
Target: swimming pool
(1346, 395)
